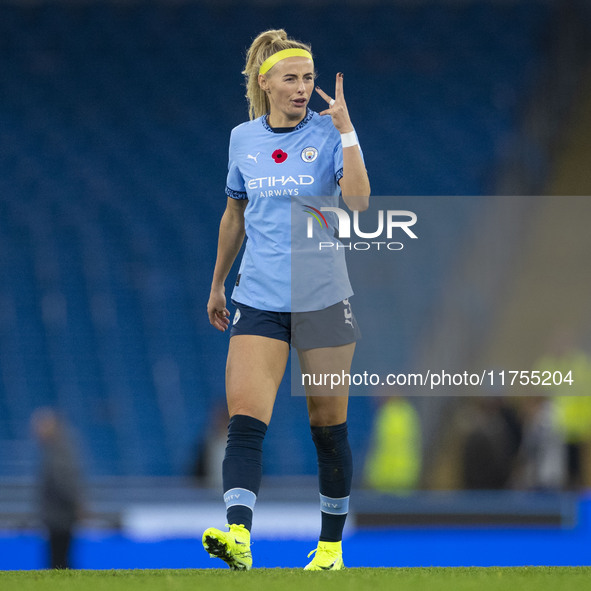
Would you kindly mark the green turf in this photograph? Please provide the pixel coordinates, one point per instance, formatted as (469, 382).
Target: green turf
(353, 579)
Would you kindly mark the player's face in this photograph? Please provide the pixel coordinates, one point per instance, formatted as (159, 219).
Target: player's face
(289, 85)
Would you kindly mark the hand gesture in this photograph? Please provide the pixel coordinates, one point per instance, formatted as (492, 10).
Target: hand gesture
(217, 311)
(337, 107)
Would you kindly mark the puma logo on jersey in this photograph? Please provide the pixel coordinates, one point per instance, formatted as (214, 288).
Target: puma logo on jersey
(253, 157)
(348, 312)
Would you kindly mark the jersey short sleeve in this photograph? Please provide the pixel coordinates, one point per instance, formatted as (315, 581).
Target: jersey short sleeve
(234, 182)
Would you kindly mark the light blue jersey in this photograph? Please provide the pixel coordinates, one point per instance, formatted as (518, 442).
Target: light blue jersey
(280, 174)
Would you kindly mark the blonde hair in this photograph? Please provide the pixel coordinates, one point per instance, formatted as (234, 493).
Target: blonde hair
(263, 47)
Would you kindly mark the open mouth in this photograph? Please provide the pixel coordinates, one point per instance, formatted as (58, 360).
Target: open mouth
(299, 102)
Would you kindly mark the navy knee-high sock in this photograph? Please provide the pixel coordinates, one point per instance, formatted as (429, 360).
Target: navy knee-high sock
(335, 472)
(242, 468)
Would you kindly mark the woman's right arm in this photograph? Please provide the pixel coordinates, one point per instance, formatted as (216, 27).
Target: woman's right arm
(230, 240)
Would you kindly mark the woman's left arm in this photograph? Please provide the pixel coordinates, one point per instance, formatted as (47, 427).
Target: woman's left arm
(354, 182)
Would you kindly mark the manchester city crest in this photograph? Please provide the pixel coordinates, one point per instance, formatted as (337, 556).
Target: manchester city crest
(309, 154)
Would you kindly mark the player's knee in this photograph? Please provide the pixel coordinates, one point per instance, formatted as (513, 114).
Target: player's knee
(326, 413)
(260, 413)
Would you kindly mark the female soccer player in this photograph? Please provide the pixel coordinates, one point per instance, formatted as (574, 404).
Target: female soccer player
(285, 150)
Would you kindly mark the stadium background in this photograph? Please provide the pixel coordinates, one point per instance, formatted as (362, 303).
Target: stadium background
(114, 124)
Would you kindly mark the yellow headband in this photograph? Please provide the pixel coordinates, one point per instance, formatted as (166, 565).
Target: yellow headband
(281, 55)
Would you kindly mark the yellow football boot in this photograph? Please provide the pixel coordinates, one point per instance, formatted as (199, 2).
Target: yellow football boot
(329, 556)
(233, 546)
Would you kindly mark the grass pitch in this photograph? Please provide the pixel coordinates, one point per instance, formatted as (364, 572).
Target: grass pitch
(353, 579)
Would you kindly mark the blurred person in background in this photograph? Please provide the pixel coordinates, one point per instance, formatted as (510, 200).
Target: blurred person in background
(284, 154)
(60, 489)
(491, 444)
(570, 403)
(211, 449)
(541, 463)
(393, 463)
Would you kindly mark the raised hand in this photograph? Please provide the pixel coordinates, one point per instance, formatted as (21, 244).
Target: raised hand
(337, 107)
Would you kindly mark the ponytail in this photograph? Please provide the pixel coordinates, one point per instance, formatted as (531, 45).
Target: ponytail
(263, 47)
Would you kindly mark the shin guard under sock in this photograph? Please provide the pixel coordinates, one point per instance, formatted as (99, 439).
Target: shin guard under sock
(335, 472)
(242, 468)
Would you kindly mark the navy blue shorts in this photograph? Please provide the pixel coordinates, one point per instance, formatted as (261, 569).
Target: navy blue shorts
(332, 327)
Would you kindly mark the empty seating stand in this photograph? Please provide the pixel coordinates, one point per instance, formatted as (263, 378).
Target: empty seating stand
(114, 124)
